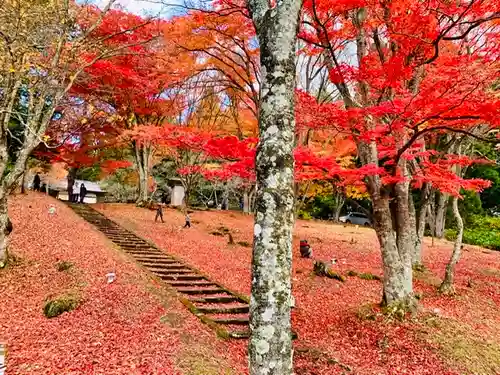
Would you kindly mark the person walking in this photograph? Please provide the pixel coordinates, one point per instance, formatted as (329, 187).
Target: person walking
(74, 193)
(36, 182)
(159, 212)
(83, 192)
(188, 221)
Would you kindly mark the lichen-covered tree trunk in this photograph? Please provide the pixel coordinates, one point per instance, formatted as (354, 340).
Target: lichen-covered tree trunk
(270, 345)
(397, 282)
(447, 284)
(392, 223)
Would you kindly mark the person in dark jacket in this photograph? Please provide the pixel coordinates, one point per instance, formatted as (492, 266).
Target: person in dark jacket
(188, 221)
(159, 212)
(36, 182)
(83, 192)
(305, 249)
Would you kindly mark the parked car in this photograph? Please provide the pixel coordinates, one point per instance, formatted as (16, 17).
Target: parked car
(356, 218)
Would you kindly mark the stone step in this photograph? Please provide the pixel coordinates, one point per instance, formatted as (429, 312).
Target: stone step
(200, 291)
(180, 284)
(167, 266)
(239, 334)
(224, 310)
(182, 277)
(162, 263)
(235, 321)
(152, 258)
(168, 272)
(146, 254)
(149, 258)
(215, 299)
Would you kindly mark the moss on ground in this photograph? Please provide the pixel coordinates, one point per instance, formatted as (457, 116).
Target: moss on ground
(364, 275)
(461, 346)
(64, 266)
(427, 277)
(57, 306)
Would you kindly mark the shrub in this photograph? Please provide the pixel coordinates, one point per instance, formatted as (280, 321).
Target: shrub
(63, 266)
(481, 230)
(304, 215)
(56, 307)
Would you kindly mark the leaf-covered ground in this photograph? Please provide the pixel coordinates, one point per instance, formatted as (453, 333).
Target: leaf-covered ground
(131, 326)
(339, 330)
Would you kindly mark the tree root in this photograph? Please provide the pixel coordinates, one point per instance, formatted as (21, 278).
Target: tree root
(401, 308)
(446, 288)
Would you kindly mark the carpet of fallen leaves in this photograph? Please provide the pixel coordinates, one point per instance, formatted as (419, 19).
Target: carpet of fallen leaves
(339, 329)
(131, 326)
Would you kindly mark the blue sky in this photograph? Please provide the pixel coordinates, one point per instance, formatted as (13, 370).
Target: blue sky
(147, 7)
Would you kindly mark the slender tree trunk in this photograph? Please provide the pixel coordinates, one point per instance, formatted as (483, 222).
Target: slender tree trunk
(5, 229)
(440, 220)
(431, 212)
(246, 202)
(420, 223)
(339, 203)
(71, 182)
(142, 160)
(23, 181)
(270, 345)
(447, 286)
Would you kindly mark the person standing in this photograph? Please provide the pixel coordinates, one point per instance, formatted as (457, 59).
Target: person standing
(36, 182)
(188, 221)
(83, 192)
(159, 212)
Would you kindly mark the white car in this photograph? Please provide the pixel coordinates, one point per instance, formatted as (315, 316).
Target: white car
(356, 218)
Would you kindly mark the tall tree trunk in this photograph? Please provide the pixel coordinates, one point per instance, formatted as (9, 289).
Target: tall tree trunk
(420, 223)
(23, 181)
(431, 212)
(270, 345)
(447, 286)
(246, 202)
(339, 203)
(142, 156)
(440, 221)
(397, 282)
(5, 229)
(71, 182)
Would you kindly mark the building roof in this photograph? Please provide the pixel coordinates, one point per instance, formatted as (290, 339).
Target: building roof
(92, 187)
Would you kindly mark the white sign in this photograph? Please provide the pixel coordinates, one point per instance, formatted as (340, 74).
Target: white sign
(2, 358)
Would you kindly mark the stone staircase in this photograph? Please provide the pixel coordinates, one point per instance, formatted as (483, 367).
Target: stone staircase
(223, 310)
